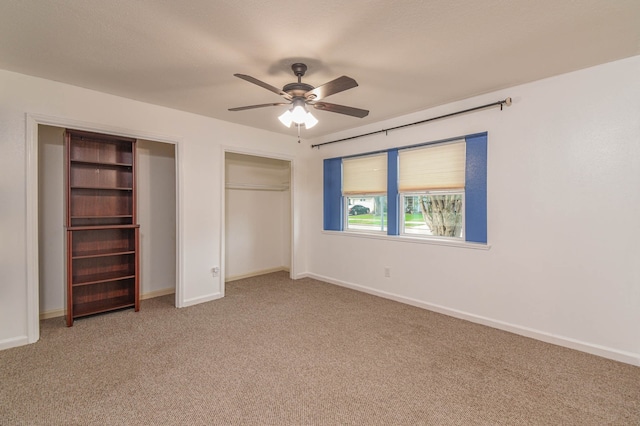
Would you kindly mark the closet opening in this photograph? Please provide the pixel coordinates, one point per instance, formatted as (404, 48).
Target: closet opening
(156, 214)
(258, 220)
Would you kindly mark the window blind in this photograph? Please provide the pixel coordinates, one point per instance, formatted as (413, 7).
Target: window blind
(433, 167)
(364, 175)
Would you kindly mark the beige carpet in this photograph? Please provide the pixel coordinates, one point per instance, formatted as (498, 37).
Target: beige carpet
(283, 352)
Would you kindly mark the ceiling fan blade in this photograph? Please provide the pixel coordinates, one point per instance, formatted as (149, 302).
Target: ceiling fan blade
(334, 86)
(265, 85)
(341, 109)
(257, 106)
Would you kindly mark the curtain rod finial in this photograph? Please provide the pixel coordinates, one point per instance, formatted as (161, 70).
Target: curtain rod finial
(507, 101)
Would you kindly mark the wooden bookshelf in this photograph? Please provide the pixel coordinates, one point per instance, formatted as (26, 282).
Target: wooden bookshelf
(102, 233)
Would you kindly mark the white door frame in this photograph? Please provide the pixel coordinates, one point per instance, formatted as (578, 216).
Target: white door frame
(292, 242)
(33, 280)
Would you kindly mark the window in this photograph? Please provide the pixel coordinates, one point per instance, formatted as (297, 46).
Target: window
(364, 188)
(433, 190)
(366, 213)
(431, 187)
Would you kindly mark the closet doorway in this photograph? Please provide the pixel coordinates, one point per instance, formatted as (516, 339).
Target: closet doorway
(257, 215)
(156, 195)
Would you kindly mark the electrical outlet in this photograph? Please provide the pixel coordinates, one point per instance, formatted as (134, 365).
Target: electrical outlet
(387, 272)
(215, 271)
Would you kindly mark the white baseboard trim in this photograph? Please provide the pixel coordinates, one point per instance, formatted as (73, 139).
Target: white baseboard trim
(51, 314)
(256, 273)
(14, 342)
(158, 293)
(150, 295)
(605, 352)
(201, 299)
(302, 275)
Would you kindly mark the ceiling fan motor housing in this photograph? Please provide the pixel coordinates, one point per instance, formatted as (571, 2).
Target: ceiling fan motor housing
(297, 89)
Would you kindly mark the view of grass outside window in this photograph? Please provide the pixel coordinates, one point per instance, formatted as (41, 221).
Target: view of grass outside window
(364, 188)
(433, 214)
(366, 213)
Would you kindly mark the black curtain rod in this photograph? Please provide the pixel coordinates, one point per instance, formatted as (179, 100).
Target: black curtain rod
(506, 102)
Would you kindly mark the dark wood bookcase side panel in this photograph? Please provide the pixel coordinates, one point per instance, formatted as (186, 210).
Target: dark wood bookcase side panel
(94, 176)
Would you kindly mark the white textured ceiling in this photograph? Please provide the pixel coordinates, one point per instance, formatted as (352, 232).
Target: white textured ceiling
(406, 55)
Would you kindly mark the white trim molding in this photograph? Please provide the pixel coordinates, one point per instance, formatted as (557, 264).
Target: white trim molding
(256, 273)
(32, 252)
(14, 342)
(409, 239)
(202, 299)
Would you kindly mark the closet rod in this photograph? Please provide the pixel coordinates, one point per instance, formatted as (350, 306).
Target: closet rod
(506, 102)
(257, 187)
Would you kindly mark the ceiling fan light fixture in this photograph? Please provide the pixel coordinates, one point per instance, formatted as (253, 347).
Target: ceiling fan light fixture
(299, 112)
(310, 121)
(285, 118)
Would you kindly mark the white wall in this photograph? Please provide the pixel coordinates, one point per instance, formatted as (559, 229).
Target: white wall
(51, 199)
(563, 201)
(257, 215)
(27, 100)
(156, 194)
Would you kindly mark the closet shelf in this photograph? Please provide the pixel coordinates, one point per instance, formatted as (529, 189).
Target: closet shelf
(102, 188)
(98, 227)
(257, 187)
(100, 163)
(101, 253)
(102, 278)
(104, 305)
(115, 216)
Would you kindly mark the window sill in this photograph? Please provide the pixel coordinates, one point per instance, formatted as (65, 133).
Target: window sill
(413, 240)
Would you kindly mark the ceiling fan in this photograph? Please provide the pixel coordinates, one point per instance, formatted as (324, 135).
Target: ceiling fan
(301, 94)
